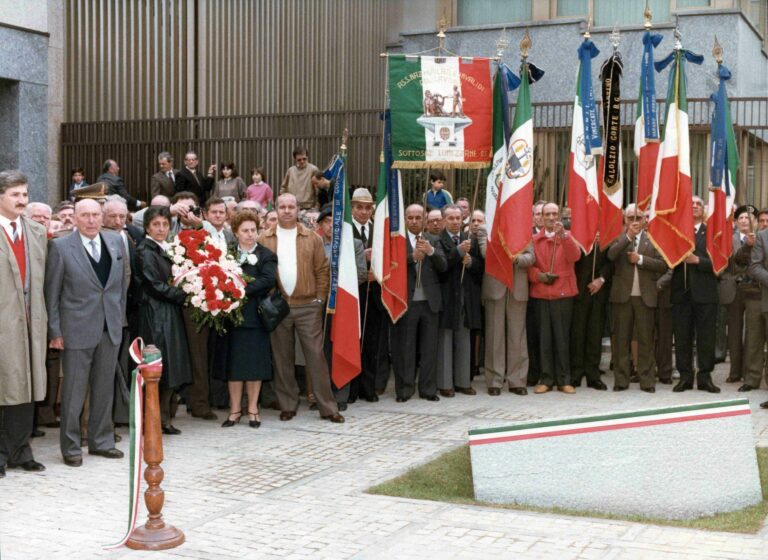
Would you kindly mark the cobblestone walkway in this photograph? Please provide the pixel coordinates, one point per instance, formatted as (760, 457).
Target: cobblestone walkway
(294, 490)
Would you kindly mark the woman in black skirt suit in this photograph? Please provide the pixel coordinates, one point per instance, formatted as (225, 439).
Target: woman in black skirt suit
(250, 355)
(160, 319)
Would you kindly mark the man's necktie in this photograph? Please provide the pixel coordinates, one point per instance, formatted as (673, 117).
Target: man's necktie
(456, 240)
(94, 250)
(171, 177)
(14, 233)
(363, 236)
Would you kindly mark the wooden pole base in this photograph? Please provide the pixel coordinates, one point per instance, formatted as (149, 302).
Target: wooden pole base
(161, 538)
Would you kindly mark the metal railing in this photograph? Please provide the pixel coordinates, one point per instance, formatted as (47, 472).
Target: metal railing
(267, 140)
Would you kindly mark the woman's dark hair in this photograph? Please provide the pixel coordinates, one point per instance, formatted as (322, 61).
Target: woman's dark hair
(77, 170)
(231, 166)
(154, 212)
(260, 171)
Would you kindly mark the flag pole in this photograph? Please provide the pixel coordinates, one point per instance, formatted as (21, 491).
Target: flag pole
(472, 210)
(648, 24)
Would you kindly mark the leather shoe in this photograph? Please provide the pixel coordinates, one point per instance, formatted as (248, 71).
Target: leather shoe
(287, 415)
(2, 472)
(541, 388)
(682, 386)
(567, 389)
(402, 399)
(764, 404)
(648, 389)
(335, 418)
(617, 388)
(374, 398)
(522, 391)
(466, 390)
(665, 381)
(31, 466)
(634, 378)
(113, 453)
(73, 460)
(708, 387)
(208, 415)
(37, 433)
(432, 398)
(352, 400)
(494, 391)
(170, 430)
(447, 393)
(744, 388)
(342, 406)
(733, 379)
(599, 385)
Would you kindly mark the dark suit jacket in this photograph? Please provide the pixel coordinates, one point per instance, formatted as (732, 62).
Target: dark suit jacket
(117, 186)
(624, 272)
(456, 292)
(696, 281)
(195, 183)
(263, 276)
(583, 270)
(734, 269)
(431, 265)
(161, 184)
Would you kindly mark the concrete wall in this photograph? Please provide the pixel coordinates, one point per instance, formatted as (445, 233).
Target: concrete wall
(555, 43)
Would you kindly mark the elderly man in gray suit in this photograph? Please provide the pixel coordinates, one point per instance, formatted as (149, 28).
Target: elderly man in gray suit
(22, 330)
(758, 269)
(506, 346)
(86, 286)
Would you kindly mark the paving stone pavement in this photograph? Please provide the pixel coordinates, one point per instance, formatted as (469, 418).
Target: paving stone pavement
(296, 490)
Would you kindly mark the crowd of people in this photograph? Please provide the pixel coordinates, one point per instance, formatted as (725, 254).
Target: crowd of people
(82, 280)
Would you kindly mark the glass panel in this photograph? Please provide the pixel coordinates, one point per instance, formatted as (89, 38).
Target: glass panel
(682, 4)
(572, 7)
(628, 12)
(756, 12)
(478, 12)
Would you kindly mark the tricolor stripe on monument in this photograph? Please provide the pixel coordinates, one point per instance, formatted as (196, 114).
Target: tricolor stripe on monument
(620, 421)
(670, 224)
(441, 111)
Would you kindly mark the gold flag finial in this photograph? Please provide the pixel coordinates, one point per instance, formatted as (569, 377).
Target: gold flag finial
(442, 25)
(344, 139)
(501, 43)
(615, 38)
(587, 34)
(717, 51)
(525, 45)
(647, 16)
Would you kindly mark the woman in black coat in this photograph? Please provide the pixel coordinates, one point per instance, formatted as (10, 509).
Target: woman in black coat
(249, 360)
(160, 319)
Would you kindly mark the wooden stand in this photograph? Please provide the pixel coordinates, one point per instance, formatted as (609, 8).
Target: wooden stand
(155, 534)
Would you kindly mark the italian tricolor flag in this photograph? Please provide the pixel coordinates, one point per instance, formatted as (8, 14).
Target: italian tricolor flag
(724, 167)
(441, 111)
(345, 329)
(388, 257)
(509, 212)
(670, 224)
(583, 191)
(647, 153)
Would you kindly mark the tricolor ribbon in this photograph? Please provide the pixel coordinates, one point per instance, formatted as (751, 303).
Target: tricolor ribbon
(136, 435)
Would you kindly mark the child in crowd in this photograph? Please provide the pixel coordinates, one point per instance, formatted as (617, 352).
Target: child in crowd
(436, 196)
(259, 191)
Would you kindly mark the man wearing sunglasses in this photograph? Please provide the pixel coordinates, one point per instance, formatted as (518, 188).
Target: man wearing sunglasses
(298, 179)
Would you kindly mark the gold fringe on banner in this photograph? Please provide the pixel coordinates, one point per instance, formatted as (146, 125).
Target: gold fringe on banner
(440, 164)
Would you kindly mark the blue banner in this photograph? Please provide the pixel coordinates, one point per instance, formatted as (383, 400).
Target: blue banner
(718, 170)
(592, 140)
(393, 192)
(336, 172)
(648, 86)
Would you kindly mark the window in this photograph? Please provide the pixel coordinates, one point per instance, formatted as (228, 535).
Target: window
(683, 4)
(628, 12)
(478, 12)
(572, 8)
(757, 12)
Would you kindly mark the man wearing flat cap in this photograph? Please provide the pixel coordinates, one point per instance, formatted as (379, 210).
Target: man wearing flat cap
(735, 288)
(373, 318)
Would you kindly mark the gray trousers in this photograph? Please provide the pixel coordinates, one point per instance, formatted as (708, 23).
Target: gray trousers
(754, 343)
(453, 358)
(15, 430)
(94, 368)
(506, 346)
(628, 317)
(308, 322)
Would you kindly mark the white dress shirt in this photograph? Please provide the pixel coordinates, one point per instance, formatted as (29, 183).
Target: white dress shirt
(86, 241)
(6, 225)
(286, 258)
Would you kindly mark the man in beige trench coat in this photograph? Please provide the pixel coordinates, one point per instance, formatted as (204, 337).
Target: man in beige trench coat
(24, 325)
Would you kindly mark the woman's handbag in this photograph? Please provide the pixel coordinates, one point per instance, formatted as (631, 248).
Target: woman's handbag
(272, 310)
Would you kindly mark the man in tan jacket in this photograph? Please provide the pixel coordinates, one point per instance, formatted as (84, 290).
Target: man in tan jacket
(303, 279)
(24, 325)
